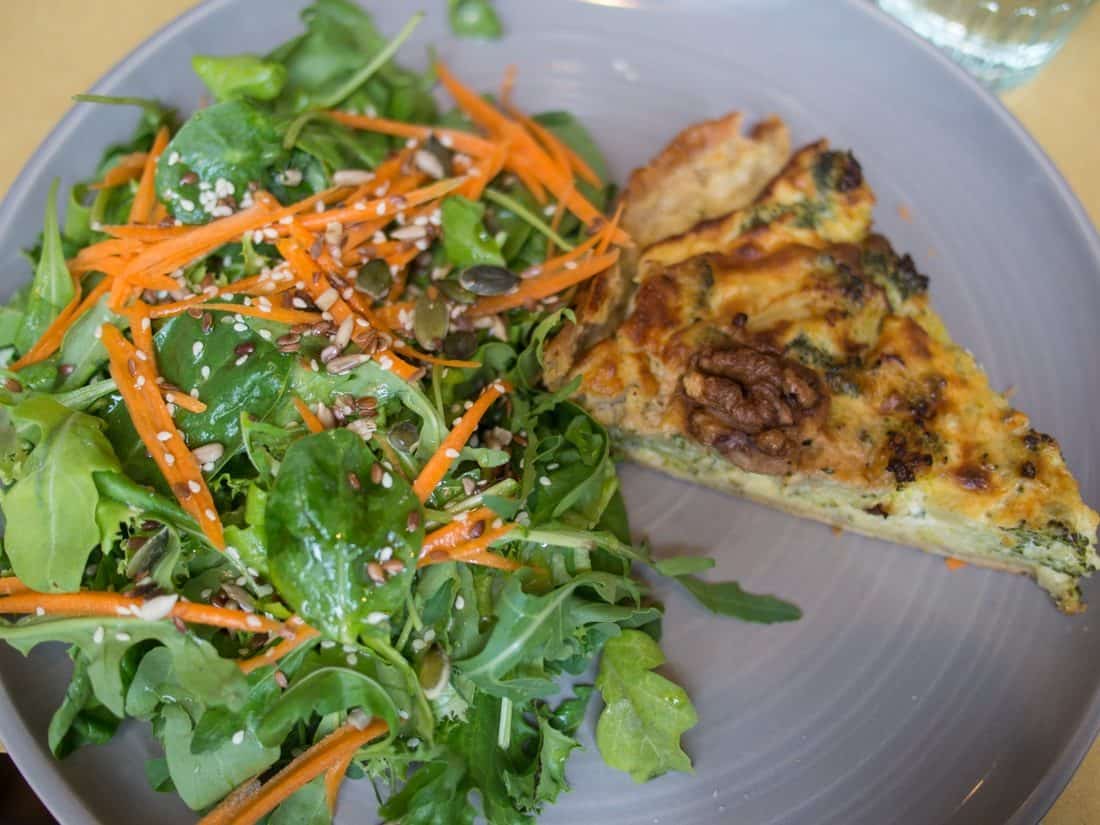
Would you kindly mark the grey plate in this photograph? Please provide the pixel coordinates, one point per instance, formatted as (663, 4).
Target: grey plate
(908, 693)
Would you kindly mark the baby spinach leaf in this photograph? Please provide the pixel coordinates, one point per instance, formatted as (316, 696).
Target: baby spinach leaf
(240, 75)
(728, 599)
(326, 65)
(233, 142)
(474, 18)
(105, 641)
(50, 512)
(208, 362)
(307, 806)
(465, 239)
(52, 287)
(82, 719)
(323, 691)
(322, 532)
(645, 714)
(203, 779)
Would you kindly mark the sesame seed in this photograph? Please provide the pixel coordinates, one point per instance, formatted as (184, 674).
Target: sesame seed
(169, 459)
(210, 514)
(40, 611)
(139, 382)
(194, 486)
(163, 435)
(451, 452)
(387, 480)
(238, 737)
(97, 636)
(545, 481)
(122, 637)
(459, 602)
(351, 659)
(377, 617)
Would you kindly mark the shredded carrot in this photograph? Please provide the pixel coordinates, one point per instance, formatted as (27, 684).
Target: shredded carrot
(388, 205)
(955, 564)
(136, 381)
(144, 233)
(508, 84)
(334, 778)
(249, 808)
(104, 603)
(302, 634)
(160, 213)
(474, 551)
(182, 400)
(400, 261)
(177, 252)
(309, 417)
(10, 585)
(453, 534)
(456, 439)
(50, 341)
(574, 163)
(608, 232)
(390, 314)
(141, 328)
(142, 208)
(128, 168)
(460, 141)
(416, 355)
(483, 175)
(545, 285)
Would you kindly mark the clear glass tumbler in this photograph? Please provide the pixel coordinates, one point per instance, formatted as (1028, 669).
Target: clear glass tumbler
(1002, 42)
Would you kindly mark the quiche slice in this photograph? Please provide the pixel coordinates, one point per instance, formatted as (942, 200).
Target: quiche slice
(764, 341)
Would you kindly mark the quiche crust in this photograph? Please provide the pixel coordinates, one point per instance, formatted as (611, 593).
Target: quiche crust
(781, 350)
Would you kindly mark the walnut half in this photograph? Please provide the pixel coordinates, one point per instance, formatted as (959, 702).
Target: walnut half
(753, 405)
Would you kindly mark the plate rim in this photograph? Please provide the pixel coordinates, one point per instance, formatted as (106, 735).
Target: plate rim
(42, 772)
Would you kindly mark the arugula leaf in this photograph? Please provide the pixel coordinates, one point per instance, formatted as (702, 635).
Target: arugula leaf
(533, 631)
(52, 287)
(81, 349)
(203, 779)
(233, 142)
(240, 75)
(216, 725)
(322, 532)
(82, 719)
(465, 239)
(50, 512)
(307, 806)
(728, 599)
(105, 641)
(124, 490)
(474, 18)
(435, 795)
(322, 691)
(683, 565)
(645, 715)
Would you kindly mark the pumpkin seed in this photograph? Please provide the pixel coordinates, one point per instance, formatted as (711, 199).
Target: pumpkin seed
(486, 279)
(434, 673)
(460, 344)
(404, 436)
(375, 278)
(453, 290)
(430, 321)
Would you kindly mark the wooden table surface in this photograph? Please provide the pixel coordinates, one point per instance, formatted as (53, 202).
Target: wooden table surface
(81, 40)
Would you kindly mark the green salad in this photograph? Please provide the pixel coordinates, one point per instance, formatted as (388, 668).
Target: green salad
(277, 465)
